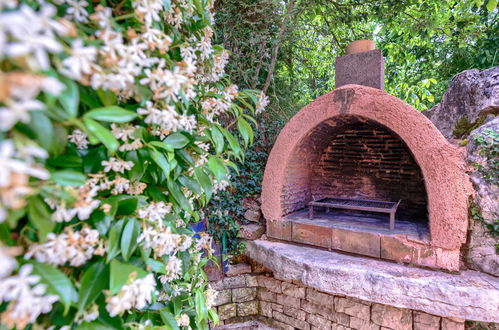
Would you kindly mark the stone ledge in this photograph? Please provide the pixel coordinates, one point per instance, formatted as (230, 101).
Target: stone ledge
(469, 295)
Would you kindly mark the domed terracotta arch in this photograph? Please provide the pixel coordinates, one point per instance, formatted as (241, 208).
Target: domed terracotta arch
(442, 165)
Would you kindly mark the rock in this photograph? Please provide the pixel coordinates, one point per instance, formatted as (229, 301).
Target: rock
(423, 321)
(319, 322)
(395, 318)
(243, 294)
(452, 324)
(360, 324)
(471, 94)
(482, 247)
(293, 290)
(469, 294)
(227, 311)
(238, 269)
(352, 308)
(223, 297)
(303, 325)
(253, 215)
(252, 231)
(247, 308)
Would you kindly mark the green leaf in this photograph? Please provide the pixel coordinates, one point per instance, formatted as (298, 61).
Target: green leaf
(114, 240)
(57, 283)
(65, 161)
(94, 280)
(156, 266)
(245, 130)
(160, 160)
(218, 139)
(204, 181)
(113, 114)
(42, 126)
(40, 217)
(491, 5)
(213, 316)
(200, 305)
(129, 238)
(102, 134)
(94, 325)
(60, 140)
(127, 205)
(234, 145)
(178, 195)
(217, 166)
(69, 98)
(120, 273)
(68, 178)
(169, 319)
(177, 140)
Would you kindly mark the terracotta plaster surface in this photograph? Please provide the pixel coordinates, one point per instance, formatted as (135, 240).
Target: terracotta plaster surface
(442, 165)
(469, 295)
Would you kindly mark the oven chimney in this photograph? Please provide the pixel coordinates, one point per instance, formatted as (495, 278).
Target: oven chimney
(362, 65)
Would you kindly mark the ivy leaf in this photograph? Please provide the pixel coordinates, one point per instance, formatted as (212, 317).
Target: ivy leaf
(102, 134)
(120, 273)
(93, 282)
(68, 178)
(57, 283)
(40, 217)
(113, 114)
(177, 140)
(129, 238)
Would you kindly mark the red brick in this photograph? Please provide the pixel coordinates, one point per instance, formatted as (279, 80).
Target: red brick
(279, 229)
(312, 234)
(356, 242)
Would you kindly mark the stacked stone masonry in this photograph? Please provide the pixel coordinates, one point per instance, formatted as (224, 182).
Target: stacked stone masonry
(285, 305)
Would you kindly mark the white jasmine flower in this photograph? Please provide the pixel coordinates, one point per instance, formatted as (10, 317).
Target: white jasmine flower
(210, 296)
(137, 294)
(155, 211)
(7, 261)
(79, 138)
(80, 62)
(77, 10)
(263, 101)
(9, 165)
(17, 111)
(75, 247)
(183, 320)
(148, 10)
(173, 270)
(33, 33)
(27, 298)
(116, 165)
(160, 239)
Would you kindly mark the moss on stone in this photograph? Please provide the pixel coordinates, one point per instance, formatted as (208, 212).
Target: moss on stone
(464, 126)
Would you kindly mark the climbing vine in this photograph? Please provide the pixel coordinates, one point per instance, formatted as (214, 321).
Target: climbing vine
(117, 127)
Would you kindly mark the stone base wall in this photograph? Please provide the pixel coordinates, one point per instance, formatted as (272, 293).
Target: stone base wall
(285, 305)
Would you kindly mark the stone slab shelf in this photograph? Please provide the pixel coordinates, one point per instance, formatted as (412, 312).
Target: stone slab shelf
(470, 295)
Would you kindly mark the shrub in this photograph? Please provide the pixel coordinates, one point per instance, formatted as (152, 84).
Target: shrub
(113, 135)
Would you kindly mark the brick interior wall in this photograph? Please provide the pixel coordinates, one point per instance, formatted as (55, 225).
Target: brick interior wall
(353, 157)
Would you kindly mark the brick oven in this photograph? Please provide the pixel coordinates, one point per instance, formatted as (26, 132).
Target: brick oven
(358, 143)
